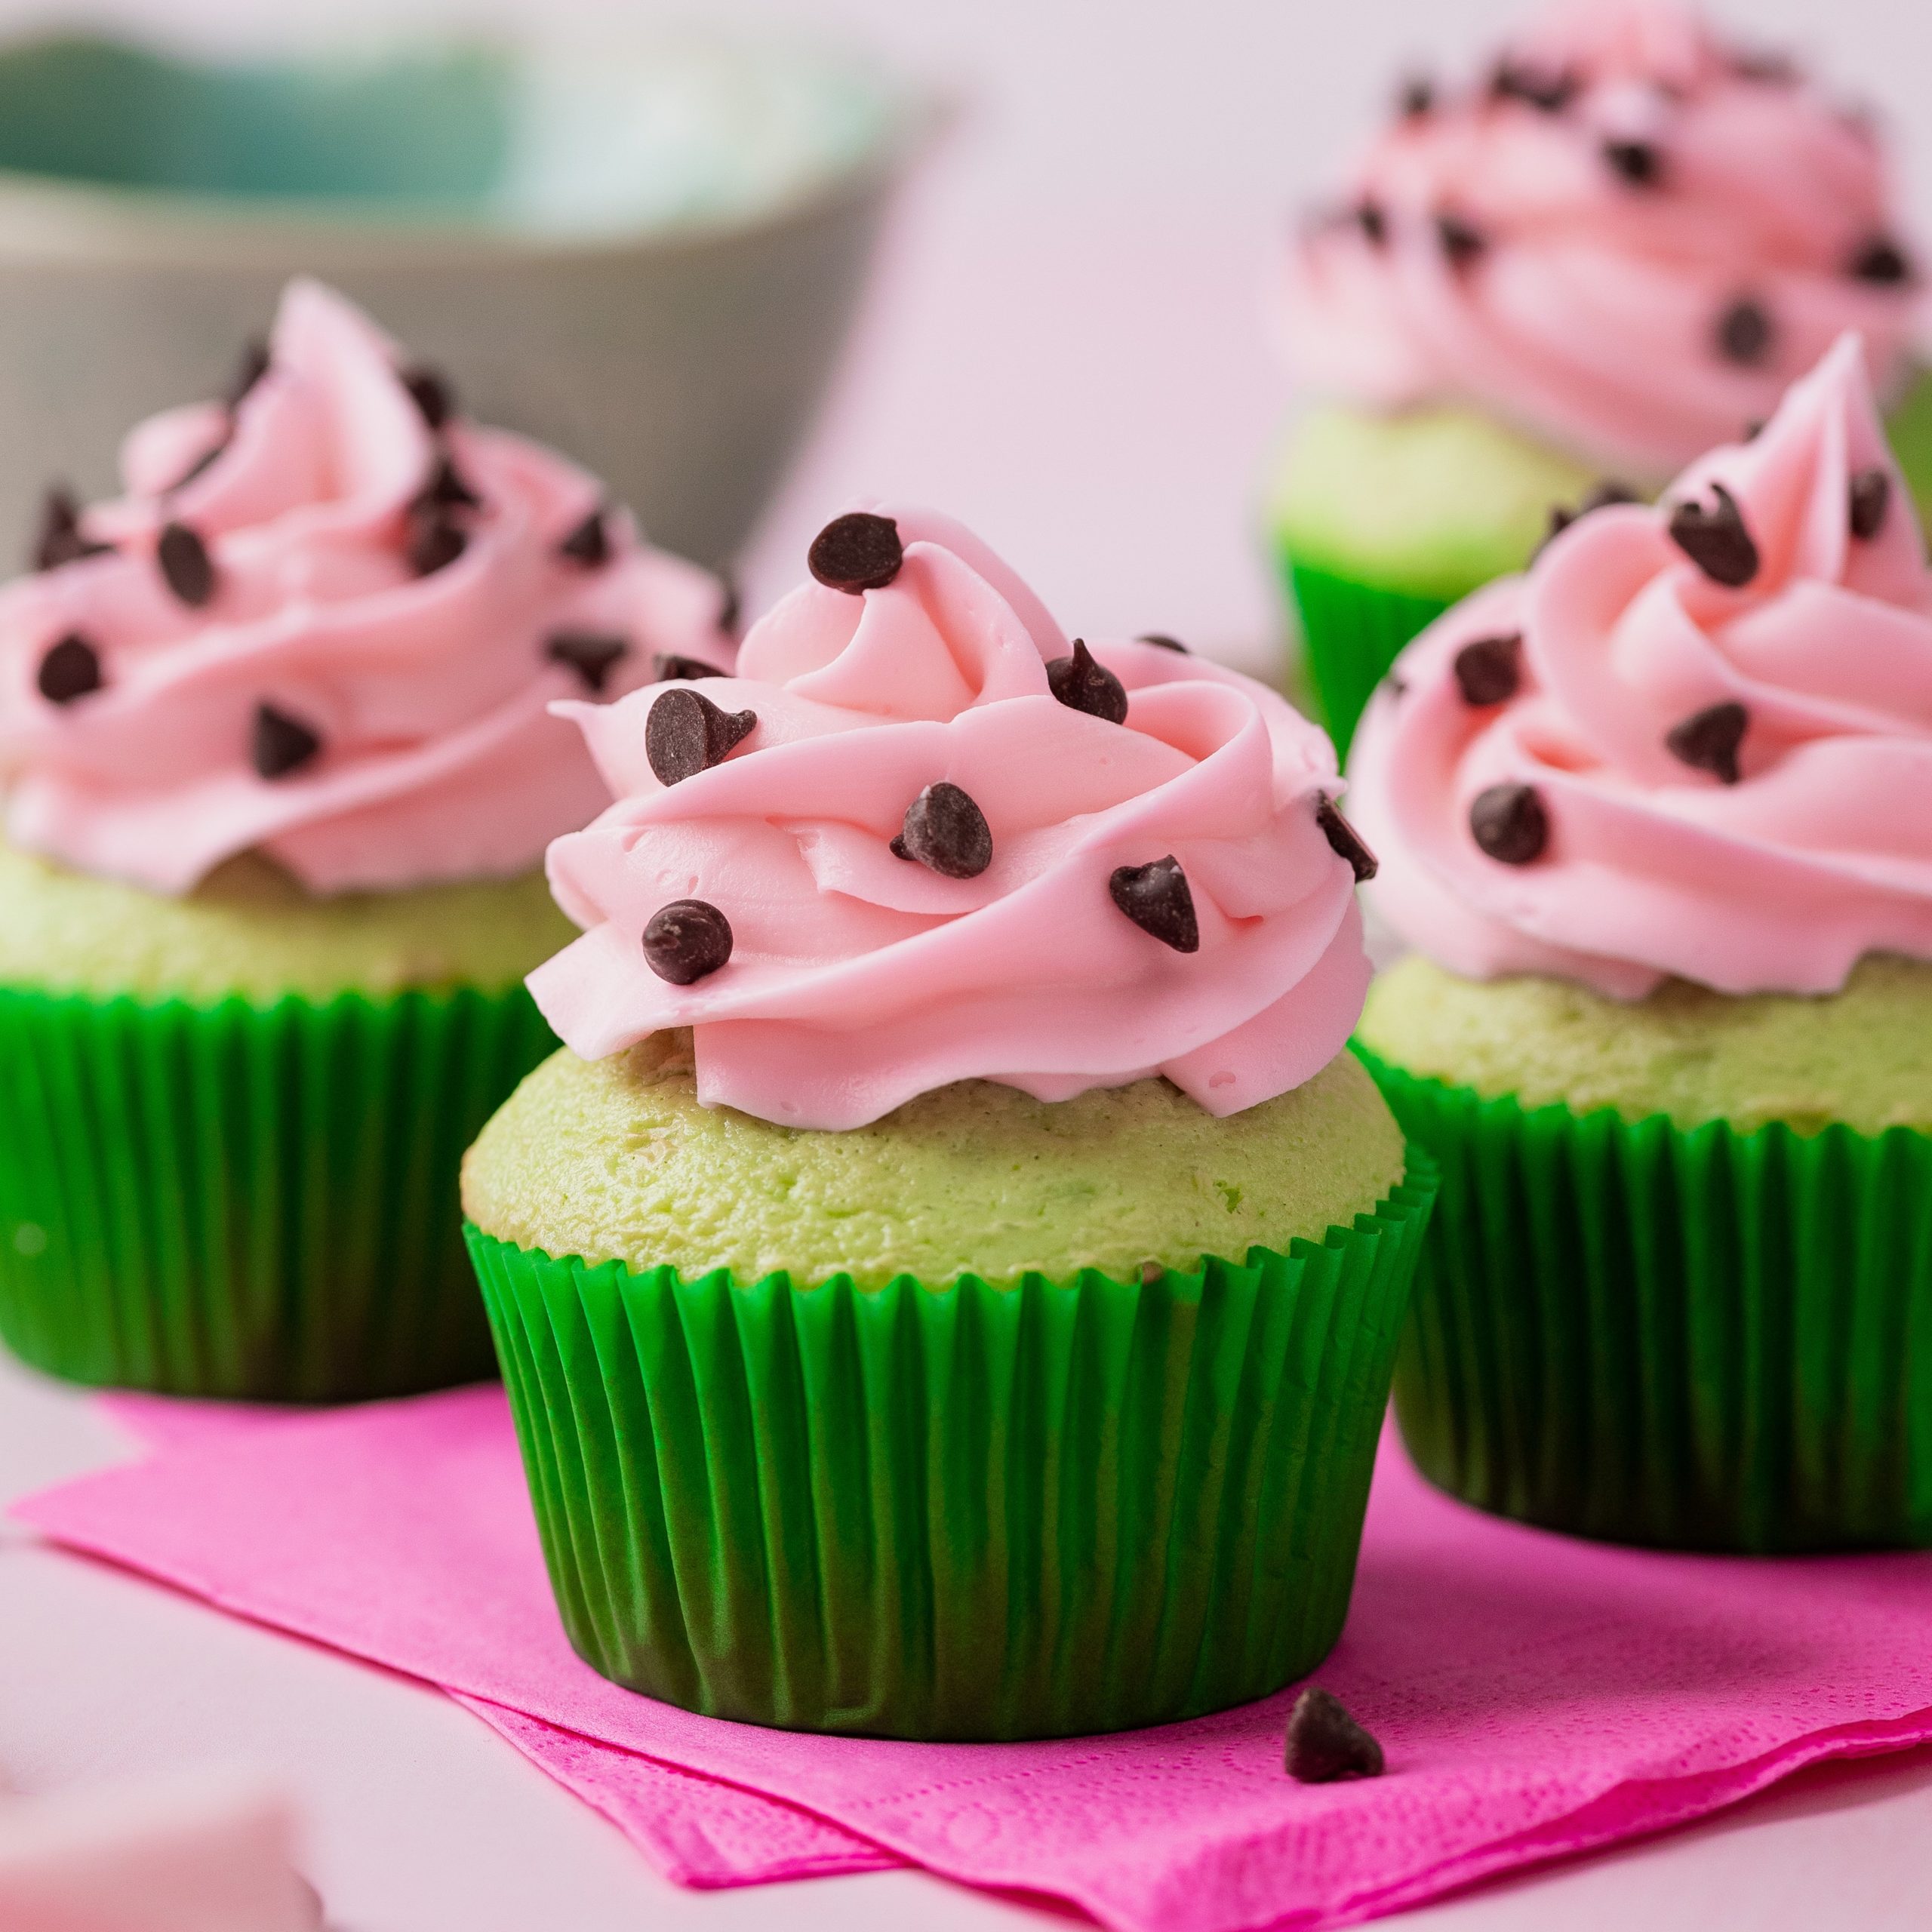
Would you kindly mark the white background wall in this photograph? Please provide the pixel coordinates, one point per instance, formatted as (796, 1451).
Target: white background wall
(1068, 347)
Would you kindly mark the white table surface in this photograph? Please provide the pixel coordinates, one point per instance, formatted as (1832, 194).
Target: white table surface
(421, 1819)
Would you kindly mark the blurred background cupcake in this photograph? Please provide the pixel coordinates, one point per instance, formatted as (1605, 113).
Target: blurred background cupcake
(277, 769)
(956, 1106)
(1554, 283)
(1655, 818)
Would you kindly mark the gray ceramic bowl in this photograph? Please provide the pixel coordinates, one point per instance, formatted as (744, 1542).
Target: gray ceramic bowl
(647, 258)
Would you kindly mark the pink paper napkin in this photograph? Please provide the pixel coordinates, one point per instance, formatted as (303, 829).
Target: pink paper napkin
(1536, 1697)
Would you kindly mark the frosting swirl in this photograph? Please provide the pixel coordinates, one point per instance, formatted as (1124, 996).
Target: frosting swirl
(1628, 240)
(883, 938)
(326, 622)
(1695, 740)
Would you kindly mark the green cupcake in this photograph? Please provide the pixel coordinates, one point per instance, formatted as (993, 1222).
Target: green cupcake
(1501, 316)
(978, 1323)
(1664, 832)
(278, 775)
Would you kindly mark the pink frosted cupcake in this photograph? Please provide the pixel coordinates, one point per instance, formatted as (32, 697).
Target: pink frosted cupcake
(279, 768)
(1604, 255)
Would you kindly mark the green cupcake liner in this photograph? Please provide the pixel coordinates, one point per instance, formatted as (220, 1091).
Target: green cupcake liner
(965, 1512)
(1352, 633)
(1697, 1339)
(250, 1201)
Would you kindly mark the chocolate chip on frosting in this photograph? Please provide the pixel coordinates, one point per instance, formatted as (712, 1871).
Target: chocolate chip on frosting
(60, 541)
(1870, 495)
(588, 543)
(1156, 898)
(1462, 242)
(1743, 334)
(1707, 740)
(1640, 163)
(1324, 1743)
(1770, 66)
(1598, 496)
(947, 832)
(1165, 642)
(1488, 669)
(430, 391)
(687, 734)
(1509, 822)
(186, 565)
(1417, 97)
(252, 367)
(436, 540)
(593, 655)
(1373, 223)
(1716, 540)
(1081, 684)
(446, 488)
(280, 744)
(857, 551)
(1346, 841)
(668, 665)
(687, 941)
(1549, 94)
(1880, 259)
(71, 669)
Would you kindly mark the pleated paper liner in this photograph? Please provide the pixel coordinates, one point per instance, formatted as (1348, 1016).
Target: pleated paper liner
(961, 1513)
(1703, 1339)
(1352, 632)
(249, 1202)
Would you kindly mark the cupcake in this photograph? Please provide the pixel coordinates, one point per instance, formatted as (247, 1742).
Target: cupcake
(278, 771)
(948, 1287)
(1657, 818)
(1562, 284)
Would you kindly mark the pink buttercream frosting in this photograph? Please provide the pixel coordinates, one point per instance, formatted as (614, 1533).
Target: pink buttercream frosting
(405, 655)
(857, 978)
(1817, 850)
(1647, 260)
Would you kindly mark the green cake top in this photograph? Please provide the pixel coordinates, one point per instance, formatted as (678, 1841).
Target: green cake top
(1863, 1056)
(1431, 501)
(249, 929)
(617, 1159)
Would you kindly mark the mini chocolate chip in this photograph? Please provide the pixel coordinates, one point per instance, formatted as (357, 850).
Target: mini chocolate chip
(1880, 259)
(1462, 242)
(1640, 163)
(668, 665)
(252, 367)
(1755, 429)
(1156, 898)
(1549, 94)
(280, 744)
(1708, 739)
(1417, 97)
(1373, 223)
(1509, 822)
(430, 391)
(1772, 66)
(1325, 1743)
(186, 564)
(687, 734)
(1488, 669)
(1346, 841)
(435, 541)
(1870, 496)
(60, 541)
(1743, 333)
(1081, 684)
(589, 543)
(1166, 642)
(947, 832)
(856, 552)
(200, 466)
(591, 654)
(446, 488)
(687, 941)
(1397, 684)
(1561, 516)
(1716, 540)
(70, 669)
(731, 605)
(1601, 495)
